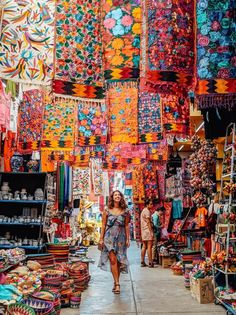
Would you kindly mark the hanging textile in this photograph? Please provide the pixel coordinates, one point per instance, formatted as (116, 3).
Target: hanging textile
(167, 46)
(92, 122)
(175, 113)
(27, 41)
(161, 172)
(78, 42)
(150, 181)
(5, 105)
(138, 185)
(77, 90)
(149, 118)
(122, 109)
(105, 184)
(1, 18)
(121, 39)
(14, 115)
(59, 123)
(97, 176)
(216, 67)
(30, 120)
(81, 182)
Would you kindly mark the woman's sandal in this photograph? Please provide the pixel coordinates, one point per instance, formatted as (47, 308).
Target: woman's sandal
(117, 289)
(114, 287)
(143, 264)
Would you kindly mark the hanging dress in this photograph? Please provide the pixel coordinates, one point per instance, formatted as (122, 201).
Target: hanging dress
(115, 240)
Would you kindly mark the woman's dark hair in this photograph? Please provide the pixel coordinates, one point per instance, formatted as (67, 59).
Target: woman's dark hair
(122, 203)
(147, 202)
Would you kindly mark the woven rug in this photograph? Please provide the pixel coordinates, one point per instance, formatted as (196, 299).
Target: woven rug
(123, 111)
(149, 118)
(27, 41)
(167, 46)
(30, 120)
(92, 122)
(175, 115)
(78, 42)
(121, 39)
(59, 122)
(216, 42)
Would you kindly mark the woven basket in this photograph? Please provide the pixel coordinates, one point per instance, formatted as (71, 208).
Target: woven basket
(19, 309)
(40, 307)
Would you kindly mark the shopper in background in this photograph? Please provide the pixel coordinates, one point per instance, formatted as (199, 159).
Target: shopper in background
(157, 226)
(146, 234)
(115, 238)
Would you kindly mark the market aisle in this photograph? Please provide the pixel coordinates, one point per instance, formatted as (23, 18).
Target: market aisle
(144, 291)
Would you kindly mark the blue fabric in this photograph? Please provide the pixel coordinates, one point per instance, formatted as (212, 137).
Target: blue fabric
(177, 208)
(157, 224)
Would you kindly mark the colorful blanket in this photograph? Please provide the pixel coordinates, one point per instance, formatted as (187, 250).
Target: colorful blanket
(167, 45)
(78, 42)
(59, 123)
(122, 111)
(149, 118)
(27, 41)
(76, 90)
(92, 122)
(30, 120)
(121, 38)
(81, 181)
(175, 113)
(216, 42)
(97, 176)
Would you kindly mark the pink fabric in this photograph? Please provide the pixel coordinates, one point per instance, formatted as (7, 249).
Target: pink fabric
(5, 106)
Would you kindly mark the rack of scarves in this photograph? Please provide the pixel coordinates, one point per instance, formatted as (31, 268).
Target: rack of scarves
(64, 185)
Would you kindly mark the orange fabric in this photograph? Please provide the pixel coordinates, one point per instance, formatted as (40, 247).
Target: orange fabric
(9, 144)
(201, 214)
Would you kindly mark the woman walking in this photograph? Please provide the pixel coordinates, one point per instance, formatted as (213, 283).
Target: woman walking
(115, 238)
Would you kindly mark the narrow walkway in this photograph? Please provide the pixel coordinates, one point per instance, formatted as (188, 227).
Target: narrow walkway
(144, 291)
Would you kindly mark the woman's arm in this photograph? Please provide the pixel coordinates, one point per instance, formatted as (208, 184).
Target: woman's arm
(127, 230)
(104, 223)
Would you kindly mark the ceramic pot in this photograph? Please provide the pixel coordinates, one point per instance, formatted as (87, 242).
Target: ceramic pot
(16, 162)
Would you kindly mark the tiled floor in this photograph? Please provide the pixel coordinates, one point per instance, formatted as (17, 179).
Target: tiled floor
(144, 291)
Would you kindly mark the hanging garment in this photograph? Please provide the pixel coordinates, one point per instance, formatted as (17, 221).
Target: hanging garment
(201, 214)
(177, 208)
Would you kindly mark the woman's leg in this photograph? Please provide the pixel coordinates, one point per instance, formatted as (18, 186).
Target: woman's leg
(149, 251)
(143, 251)
(114, 267)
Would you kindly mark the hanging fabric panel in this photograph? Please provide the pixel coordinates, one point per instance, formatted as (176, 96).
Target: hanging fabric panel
(30, 121)
(121, 39)
(59, 123)
(27, 41)
(149, 117)
(122, 108)
(167, 46)
(78, 42)
(92, 122)
(216, 42)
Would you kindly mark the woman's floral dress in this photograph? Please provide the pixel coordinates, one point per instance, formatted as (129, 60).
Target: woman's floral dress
(115, 240)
